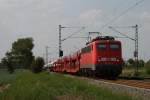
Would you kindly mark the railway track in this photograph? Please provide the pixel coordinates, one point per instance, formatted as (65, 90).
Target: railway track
(138, 89)
(133, 83)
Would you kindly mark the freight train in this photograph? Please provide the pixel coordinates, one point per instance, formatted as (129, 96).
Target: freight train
(102, 56)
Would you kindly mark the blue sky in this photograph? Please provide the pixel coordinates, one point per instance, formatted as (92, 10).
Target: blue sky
(40, 19)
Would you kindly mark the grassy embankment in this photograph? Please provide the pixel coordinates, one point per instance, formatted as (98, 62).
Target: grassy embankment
(25, 85)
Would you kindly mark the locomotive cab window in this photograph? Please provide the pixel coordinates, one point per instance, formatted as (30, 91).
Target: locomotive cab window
(114, 46)
(101, 47)
(86, 49)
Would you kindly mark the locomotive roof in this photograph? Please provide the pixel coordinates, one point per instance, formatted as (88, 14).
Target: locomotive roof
(102, 39)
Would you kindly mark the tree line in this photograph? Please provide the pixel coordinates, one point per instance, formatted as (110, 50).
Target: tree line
(132, 63)
(21, 56)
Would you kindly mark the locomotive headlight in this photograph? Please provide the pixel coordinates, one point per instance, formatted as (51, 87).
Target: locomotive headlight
(103, 59)
(117, 60)
(113, 59)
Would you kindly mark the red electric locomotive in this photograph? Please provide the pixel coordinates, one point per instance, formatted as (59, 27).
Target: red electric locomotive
(101, 56)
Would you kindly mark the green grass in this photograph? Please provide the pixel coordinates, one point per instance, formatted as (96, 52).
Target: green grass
(5, 77)
(45, 86)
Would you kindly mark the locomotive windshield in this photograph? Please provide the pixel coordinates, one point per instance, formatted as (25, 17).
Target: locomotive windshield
(114, 47)
(101, 47)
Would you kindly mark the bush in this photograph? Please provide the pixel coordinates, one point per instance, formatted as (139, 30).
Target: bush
(37, 65)
(147, 66)
(9, 64)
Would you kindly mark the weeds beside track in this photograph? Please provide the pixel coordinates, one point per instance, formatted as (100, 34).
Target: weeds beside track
(53, 86)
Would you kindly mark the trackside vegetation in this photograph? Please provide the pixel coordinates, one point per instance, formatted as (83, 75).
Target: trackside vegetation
(147, 66)
(26, 85)
(130, 67)
(37, 65)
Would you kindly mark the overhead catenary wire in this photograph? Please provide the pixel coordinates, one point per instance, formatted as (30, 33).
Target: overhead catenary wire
(119, 37)
(61, 40)
(82, 28)
(79, 37)
(111, 21)
(121, 14)
(125, 36)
